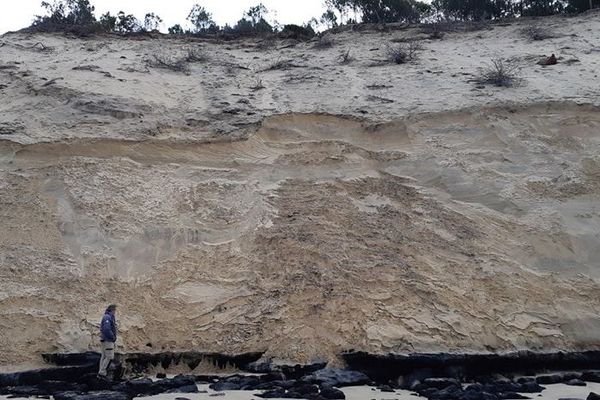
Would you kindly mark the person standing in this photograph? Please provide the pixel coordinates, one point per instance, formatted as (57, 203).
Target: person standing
(108, 338)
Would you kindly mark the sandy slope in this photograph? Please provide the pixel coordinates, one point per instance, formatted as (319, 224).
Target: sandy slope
(428, 215)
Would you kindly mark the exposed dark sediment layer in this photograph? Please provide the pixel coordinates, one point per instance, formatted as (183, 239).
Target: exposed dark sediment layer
(468, 367)
(440, 376)
(142, 362)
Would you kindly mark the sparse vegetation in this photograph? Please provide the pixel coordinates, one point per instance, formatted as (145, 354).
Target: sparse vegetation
(381, 11)
(324, 42)
(267, 43)
(435, 30)
(127, 23)
(258, 84)
(329, 19)
(66, 15)
(201, 20)
(403, 52)
(345, 57)
(172, 63)
(176, 30)
(499, 73)
(152, 22)
(281, 65)
(536, 32)
(297, 32)
(195, 55)
(77, 16)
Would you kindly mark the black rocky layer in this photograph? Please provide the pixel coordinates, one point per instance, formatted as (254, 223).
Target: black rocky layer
(434, 376)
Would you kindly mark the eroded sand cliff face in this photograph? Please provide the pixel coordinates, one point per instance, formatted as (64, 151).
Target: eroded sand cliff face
(225, 218)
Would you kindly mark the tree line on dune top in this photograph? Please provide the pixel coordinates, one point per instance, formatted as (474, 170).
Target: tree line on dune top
(77, 16)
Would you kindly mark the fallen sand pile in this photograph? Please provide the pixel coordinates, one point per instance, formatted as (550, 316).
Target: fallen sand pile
(276, 200)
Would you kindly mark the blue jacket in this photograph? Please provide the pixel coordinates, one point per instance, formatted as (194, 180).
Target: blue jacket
(108, 328)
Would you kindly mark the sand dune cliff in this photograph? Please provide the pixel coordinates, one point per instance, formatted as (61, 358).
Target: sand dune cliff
(275, 199)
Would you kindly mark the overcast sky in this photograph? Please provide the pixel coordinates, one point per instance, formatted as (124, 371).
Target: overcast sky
(17, 14)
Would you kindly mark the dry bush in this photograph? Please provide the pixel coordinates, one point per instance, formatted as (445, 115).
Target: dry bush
(324, 42)
(196, 55)
(474, 26)
(177, 64)
(435, 30)
(403, 52)
(281, 65)
(258, 84)
(499, 73)
(534, 32)
(345, 57)
(267, 43)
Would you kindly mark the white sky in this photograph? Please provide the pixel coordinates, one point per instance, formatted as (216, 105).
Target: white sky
(17, 14)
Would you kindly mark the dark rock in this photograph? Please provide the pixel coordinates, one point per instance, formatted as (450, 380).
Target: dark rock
(273, 376)
(332, 393)
(94, 383)
(524, 379)
(273, 394)
(439, 383)
(572, 375)
(224, 385)
(386, 388)
(282, 394)
(383, 368)
(161, 375)
(477, 395)
(34, 377)
(550, 379)
(177, 381)
(60, 386)
(273, 385)
(245, 382)
(511, 395)
(447, 393)
(25, 391)
(299, 370)
(306, 388)
(575, 382)
(530, 387)
(184, 389)
(429, 392)
(260, 367)
(591, 376)
(101, 395)
(409, 381)
(337, 377)
(508, 386)
(139, 387)
(593, 396)
(475, 386)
